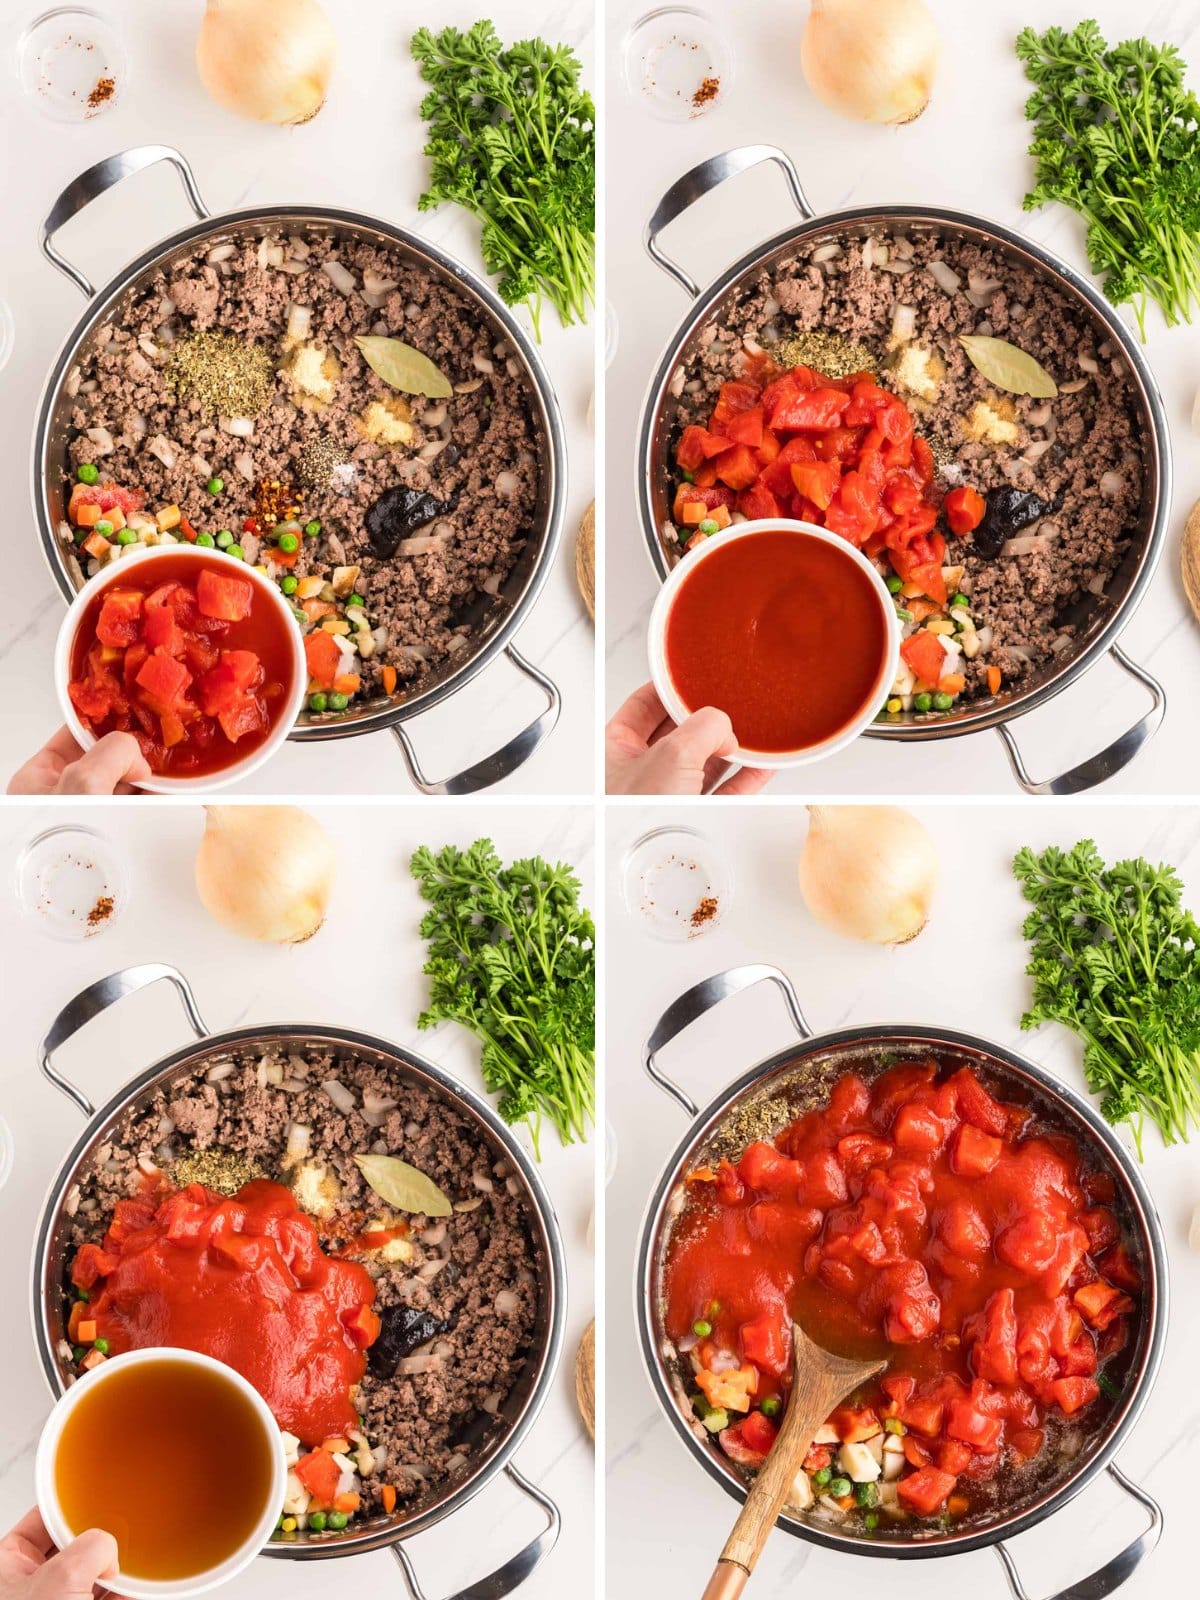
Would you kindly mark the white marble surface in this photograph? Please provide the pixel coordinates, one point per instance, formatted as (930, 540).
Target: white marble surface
(362, 970)
(964, 971)
(363, 152)
(966, 151)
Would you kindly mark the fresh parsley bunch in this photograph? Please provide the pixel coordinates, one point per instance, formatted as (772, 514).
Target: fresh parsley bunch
(512, 957)
(1116, 139)
(1115, 957)
(512, 138)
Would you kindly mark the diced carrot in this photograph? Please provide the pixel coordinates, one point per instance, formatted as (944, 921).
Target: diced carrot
(952, 683)
(993, 680)
(389, 687)
(347, 1502)
(845, 1501)
(96, 545)
(694, 512)
(347, 683)
(958, 1505)
(169, 517)
(76, 1317)
(87, 515)
(116, 516)
(85, 1333)
(720, 515)
(388, 1495)
(337, 1446)
(92, 1359)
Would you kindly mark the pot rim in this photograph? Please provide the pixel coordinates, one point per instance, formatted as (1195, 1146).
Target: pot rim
(1102, 1453)
(553, 467)
(556, 1275)
(1042, 260)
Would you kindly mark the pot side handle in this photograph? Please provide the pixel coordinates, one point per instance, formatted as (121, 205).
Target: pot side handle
(701, 180)
(515, 1570)
(97, 180)
(1114, 758)
(501, 763)
(97, 997)
(1114, 1573)
(702, 997)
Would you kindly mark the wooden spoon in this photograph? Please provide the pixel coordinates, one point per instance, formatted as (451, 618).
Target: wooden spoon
(1189, 559)
(820, 1382)
(585, 560)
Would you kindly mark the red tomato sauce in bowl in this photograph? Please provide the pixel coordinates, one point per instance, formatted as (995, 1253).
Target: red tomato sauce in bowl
(916, 1217)
(185, 653)
(784, 631)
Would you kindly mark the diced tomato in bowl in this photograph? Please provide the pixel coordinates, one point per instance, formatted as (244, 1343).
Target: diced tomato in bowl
(197, 657)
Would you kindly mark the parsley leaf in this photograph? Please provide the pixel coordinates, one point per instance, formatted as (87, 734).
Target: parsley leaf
(1115, 957)
(512, 957)
(512, 138)
(1117, 138)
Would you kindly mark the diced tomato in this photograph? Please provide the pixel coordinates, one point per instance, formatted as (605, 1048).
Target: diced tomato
(320, 1475)
(696, 445)
(690, 498)
(1101, 1228)
(1025, 1443)
(1119, 1267)
(852, 1424)
(1081, 1360)
(817, 480)
(758, 503)
(737, 468)
(974, 1154)
(1101, 1304)
(323, 657)
(924, 654)
(160, 631)
(749, 1441)
(229, 599)
(91, 1264)
(163, 679)
(964, 509)
(953, 1457)
(247, 716)
(922, 1416)
(733, 401)
(767, 1342)
(925, 1491)
(120, 617)
(976, 1105)
(917, 1128)
(746, 427)
(967, 1422)
(763, 1168)
(1072, 1394)
(994, 1352)
(814, 411)
(173, 730)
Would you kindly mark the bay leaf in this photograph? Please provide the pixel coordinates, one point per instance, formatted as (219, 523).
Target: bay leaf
(402, 1186)
(403, 368)
(1008, 366)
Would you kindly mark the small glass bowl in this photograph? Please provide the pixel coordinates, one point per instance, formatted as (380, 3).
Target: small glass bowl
(70, 881)
(676, 883)
(66, 58)
(678, 63)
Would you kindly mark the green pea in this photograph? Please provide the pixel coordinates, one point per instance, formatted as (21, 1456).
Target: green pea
(206, 541)
(872, 1520)
(236, 551)
(224, 539)
(689, 477)
(78, 1353)
(708, 526)
(87, 473)
(80, 535)
(923, 702)
(82, 1294)
(318, 702)
(356, 600)
(215, 485)
(943, 702)
(839, 1487)
(770, 1405)
(895, 584)
(127, 536)
(101, 1345)
(822, 1477)
(316, 1521)
(702, 1329)
(338, 702)
(279, 1524)
(288, 543)
(289, 585)
(866, 1494)
(313, 528)
(104, 526)
(902, 615)
(338, 1520)
(960, 600)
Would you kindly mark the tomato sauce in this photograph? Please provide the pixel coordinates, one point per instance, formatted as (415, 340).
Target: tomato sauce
(185, 654)
(918, 1218)
(242, 1279)
(783, 632)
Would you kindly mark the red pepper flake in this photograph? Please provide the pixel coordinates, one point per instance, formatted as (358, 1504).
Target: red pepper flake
(104, 90)
(101, 911)
(708, 91)
(705, 911)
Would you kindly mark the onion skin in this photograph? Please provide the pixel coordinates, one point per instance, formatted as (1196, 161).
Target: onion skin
(269, 60)
(265, 872)
(868, 872)
(874, 60)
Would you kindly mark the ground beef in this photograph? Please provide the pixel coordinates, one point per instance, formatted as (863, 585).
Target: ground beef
(430, 1423)
(430, 603)
(1090, 428)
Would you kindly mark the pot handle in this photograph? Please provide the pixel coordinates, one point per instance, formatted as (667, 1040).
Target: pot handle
(97, 180)
(701, 180)
(702, 997)
(1099, 768)
(97, 997)
(514, 1571)
(503, 762)
(1114, 1573)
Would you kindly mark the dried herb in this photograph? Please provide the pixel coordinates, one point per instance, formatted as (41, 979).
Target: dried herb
(1007, 366)
(403, 368)
(402, 1186)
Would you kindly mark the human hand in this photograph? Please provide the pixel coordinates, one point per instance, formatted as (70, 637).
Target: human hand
(31, 1568)
(645, 753)
(111, 766)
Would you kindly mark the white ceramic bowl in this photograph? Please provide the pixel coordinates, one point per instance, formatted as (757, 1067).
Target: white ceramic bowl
(264, 590)
(668, 693)
(149, 1588)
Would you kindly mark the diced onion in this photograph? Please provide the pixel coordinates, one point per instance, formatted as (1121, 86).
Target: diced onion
(904, 322)
(507, 1301)
(1111, 484)
(944, 277)
(339, 276)
(339, 1094)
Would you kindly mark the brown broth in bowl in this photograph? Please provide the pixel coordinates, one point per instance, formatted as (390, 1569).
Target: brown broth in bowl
(172, 1460)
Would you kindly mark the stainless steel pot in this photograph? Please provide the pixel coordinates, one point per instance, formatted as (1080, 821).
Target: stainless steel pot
(495, 620)
(769, 1086)
(519, 1410)
(1099, 621)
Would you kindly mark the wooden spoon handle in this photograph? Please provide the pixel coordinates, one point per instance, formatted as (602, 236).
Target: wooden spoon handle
(773, 1483)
